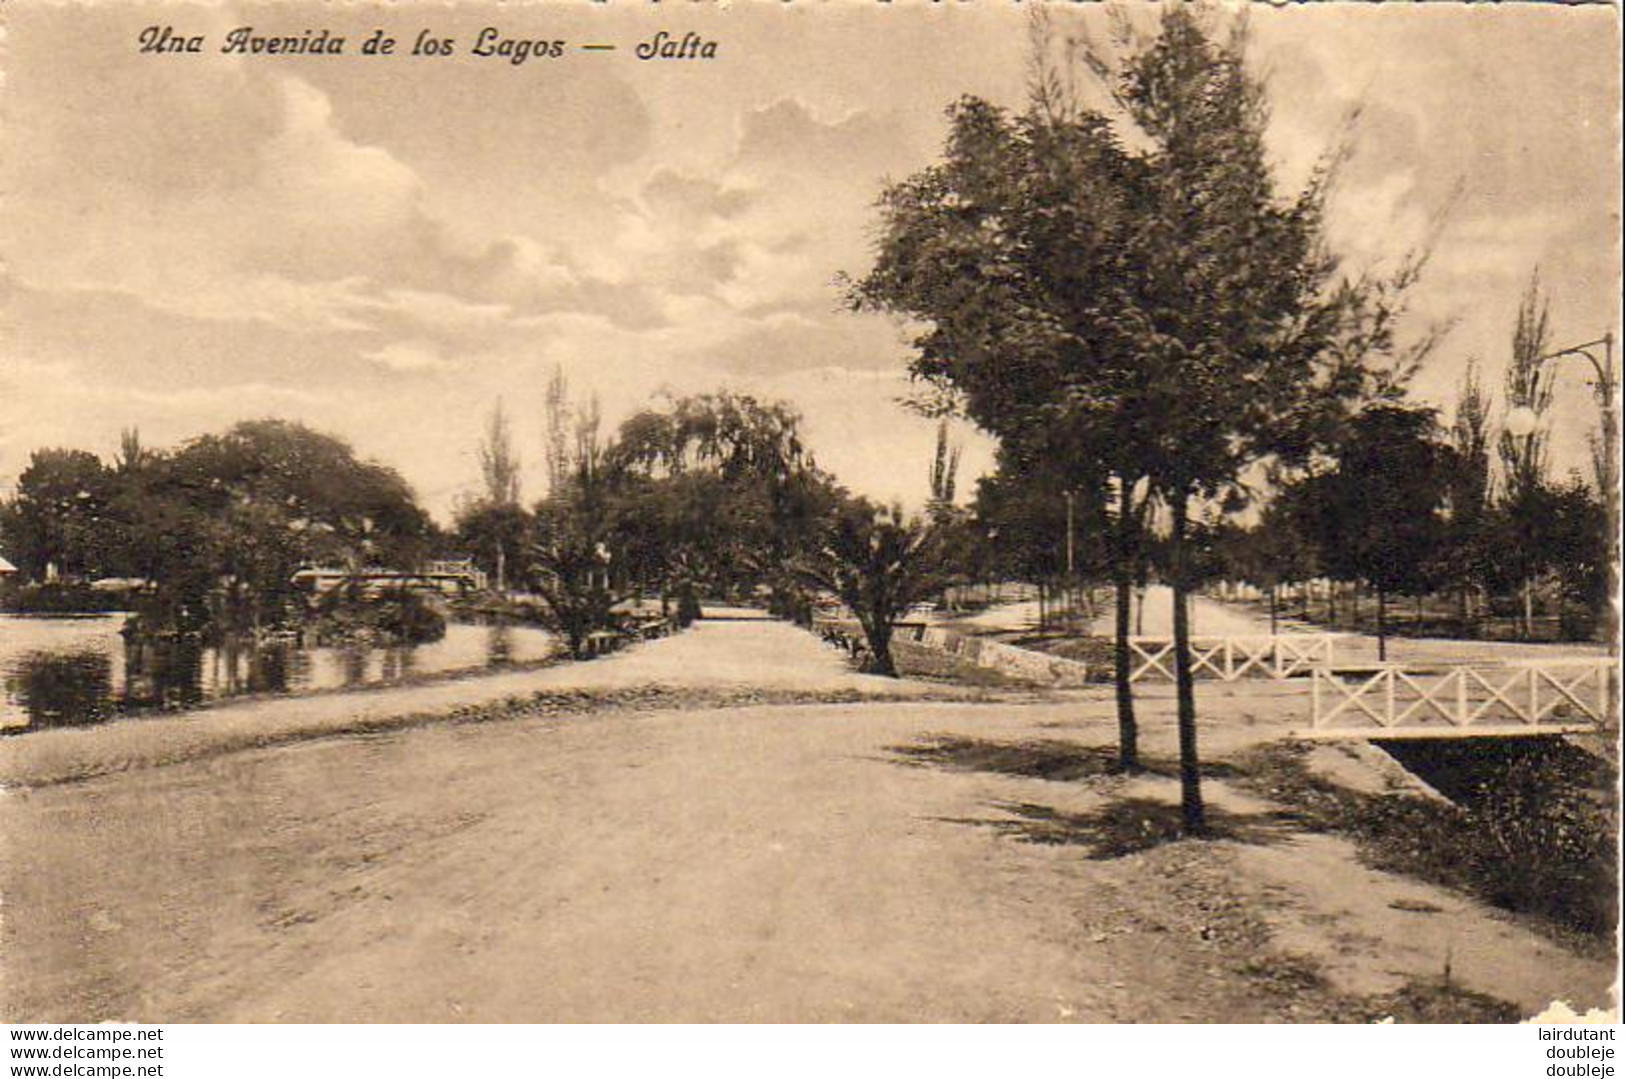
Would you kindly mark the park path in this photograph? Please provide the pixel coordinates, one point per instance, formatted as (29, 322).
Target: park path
(1209, 617)
(1213, 618)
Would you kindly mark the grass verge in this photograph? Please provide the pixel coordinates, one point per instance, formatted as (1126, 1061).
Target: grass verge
(1537, 839)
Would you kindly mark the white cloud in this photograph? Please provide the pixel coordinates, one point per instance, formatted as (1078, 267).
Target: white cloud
(233, 238)
(408, 357)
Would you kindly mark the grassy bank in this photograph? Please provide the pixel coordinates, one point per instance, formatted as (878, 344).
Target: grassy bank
(1530, 826)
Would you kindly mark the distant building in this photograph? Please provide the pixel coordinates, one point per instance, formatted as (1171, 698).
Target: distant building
(450, 578)
(120, 584)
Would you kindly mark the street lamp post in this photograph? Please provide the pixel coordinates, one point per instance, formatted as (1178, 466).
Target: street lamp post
(1521, 422)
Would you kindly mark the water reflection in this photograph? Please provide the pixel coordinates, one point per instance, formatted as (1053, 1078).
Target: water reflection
(162, 675)
(59, 672)
(66, 690)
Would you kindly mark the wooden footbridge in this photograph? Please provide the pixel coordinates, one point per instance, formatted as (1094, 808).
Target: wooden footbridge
(1547, 696)
(1516, 697)
(1512, 699)
(1279, 655)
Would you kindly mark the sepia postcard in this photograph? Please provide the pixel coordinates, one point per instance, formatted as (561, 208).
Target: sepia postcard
(811, 512)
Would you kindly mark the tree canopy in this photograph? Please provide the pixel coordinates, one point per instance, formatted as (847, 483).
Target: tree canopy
(218, 525)
(1131, 283)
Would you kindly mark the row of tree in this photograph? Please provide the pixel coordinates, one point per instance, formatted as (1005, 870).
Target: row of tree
(1405, 508)
(1119, 292)
(215, 528)
(1181, 377)
(1462, 516)
(714, 496)
(709, 496)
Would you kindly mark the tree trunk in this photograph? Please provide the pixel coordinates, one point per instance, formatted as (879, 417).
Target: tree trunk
(1382, 625)
(1128, 744)
(1274, 618)
(877, 630)
(1190, 771)
(880, 661)
(1128, 748)
(1529, 609)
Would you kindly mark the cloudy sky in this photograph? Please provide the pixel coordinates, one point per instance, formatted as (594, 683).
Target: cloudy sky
(383, 247)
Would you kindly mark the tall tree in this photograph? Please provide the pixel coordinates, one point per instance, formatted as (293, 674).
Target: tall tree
(1136, 283)
(572, 556)
(57, 522)
(944, 475)
(1523, 459)
(1378, 516)
(726, 493)
(497, 511)
(1012, 251)
(556, 428)
(499, 461)
(277, 495)
(1525, 496)
(132, 454)
(1467, 488)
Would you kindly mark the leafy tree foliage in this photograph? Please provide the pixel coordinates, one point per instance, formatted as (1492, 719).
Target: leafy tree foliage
(59, 517)
(1467, 553)
(218, 526)
(494, 527)
(1523, 458)
(494, 535)
(712, 494)
(1135, 286)
(880, 563)
(1378, 516)
(724, 492)
(571, 563)
(1031, 514)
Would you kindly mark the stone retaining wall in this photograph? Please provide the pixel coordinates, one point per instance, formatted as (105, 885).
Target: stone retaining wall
(1006, 659)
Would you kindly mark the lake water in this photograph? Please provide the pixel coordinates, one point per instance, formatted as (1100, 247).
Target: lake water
(64, 672)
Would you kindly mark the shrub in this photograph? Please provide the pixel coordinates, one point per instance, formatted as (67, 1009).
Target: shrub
(398, 614)
(57, 597)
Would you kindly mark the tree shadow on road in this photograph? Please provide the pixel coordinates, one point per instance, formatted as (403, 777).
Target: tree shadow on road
(1129, 826)
(1050, 759)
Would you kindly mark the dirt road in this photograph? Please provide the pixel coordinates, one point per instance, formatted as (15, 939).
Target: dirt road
(793, 863)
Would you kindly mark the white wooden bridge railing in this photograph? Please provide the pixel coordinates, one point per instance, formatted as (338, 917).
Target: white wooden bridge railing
(1558, 696)
(1281, 655)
